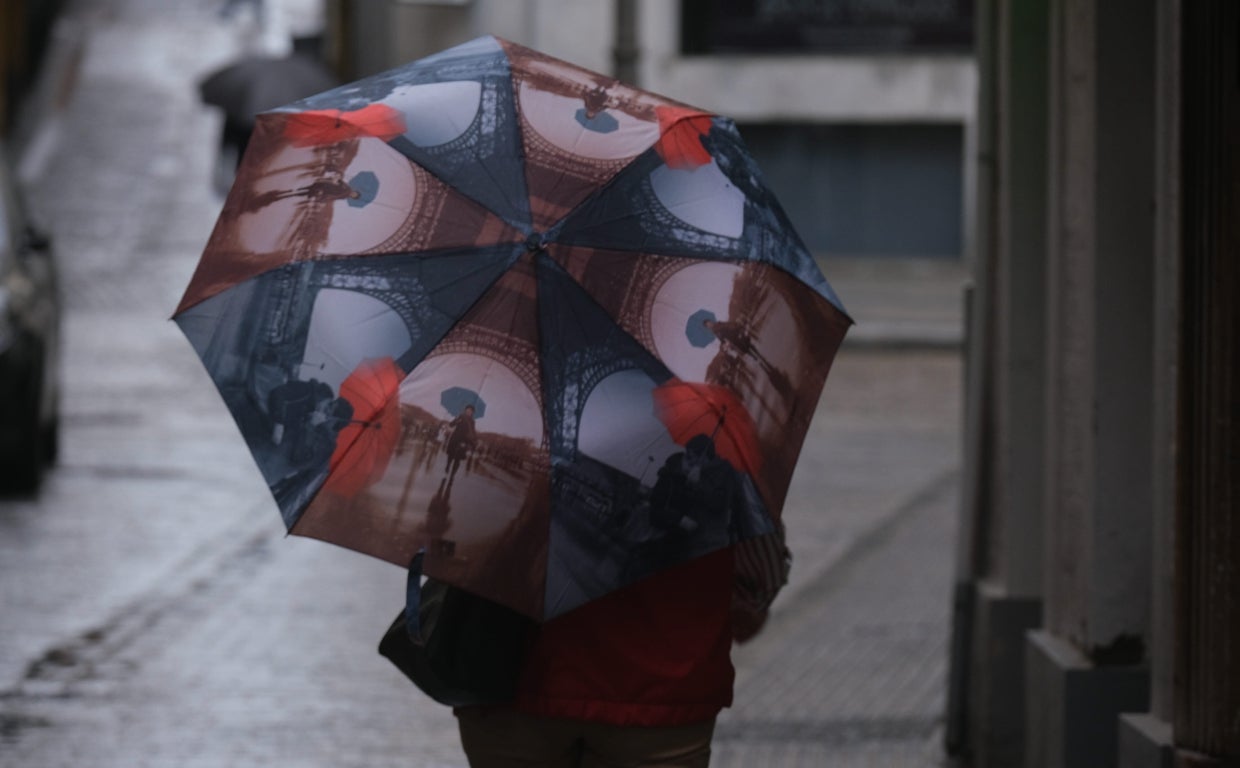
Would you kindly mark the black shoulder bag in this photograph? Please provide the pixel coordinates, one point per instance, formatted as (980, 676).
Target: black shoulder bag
(460, 649)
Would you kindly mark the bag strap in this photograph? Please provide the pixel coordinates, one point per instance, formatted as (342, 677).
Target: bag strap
(413, 598)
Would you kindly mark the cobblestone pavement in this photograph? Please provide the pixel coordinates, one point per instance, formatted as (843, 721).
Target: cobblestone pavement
(155, 614)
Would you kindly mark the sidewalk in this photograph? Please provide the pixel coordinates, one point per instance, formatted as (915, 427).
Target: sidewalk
(901, 302)
(851, 668)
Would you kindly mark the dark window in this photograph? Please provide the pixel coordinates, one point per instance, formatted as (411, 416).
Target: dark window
(867, 190)
(826, 26)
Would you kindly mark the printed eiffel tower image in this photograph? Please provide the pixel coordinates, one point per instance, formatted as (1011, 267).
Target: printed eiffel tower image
(472, 438)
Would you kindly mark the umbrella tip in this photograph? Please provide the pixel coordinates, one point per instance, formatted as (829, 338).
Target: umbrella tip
(535, 242)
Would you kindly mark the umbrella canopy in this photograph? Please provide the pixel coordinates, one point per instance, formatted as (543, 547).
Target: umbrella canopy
(537, 235)
(255, 83)
(696, 330)
(366, 185)
(365, 444)
(454, 400)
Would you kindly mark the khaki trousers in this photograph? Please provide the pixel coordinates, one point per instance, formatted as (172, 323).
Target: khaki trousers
(503, 738)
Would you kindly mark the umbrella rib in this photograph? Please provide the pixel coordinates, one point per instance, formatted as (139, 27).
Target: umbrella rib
(479, 164)
(503, 192)
(456, 318)
(476, 164)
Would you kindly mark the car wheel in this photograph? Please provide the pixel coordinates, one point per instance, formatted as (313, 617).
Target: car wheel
(25, 465)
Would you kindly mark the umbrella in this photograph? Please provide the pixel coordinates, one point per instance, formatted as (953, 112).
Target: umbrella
(318, 127)
(696, 331)
(454, 400)
(537, 236)
(255, 83)
(691, 409)
(366, 184)
(364, 446)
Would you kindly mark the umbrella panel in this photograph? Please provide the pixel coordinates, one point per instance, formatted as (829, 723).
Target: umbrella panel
(293, 204)
(477, 504)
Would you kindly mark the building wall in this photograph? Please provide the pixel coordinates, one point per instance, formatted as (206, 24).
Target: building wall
(881, 139)
(887, 137)
(1137, 567)
(886, 88)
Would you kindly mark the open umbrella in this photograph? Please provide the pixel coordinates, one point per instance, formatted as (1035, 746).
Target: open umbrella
(538, 235)
(454, 400)
(696, 330)
(366, 185)
(364, 446)
(254, 83)
(690, 409)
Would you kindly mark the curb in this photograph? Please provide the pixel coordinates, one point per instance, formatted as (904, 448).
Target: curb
(881, 336)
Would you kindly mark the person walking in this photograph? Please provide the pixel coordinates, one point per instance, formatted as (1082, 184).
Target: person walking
(637, 677)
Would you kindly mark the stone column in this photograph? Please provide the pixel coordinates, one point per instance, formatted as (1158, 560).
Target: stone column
(1088, 663)
(1007, 591)
(1146, 738)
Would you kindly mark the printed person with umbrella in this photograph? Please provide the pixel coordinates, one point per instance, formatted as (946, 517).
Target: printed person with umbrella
(733, 334)
(694, 498)
(332, 187)
(293, 406)
(308, 418)
(460, 440)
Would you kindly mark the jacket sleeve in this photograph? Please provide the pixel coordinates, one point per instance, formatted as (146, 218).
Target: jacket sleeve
(761, 570)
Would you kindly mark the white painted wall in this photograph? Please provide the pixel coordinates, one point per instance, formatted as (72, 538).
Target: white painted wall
(854, 88)
(814, 88)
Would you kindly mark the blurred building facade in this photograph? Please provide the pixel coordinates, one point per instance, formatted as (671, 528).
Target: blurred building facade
(1098, 606)
(860, 112)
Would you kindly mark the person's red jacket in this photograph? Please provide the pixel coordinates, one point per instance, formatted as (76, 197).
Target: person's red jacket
(657, 653)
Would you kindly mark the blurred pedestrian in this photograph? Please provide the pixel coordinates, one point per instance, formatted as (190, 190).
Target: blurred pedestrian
(231, 8)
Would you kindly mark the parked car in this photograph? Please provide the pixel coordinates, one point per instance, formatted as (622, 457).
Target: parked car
(29, 342)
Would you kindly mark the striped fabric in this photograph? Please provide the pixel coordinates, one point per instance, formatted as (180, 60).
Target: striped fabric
(761, 569)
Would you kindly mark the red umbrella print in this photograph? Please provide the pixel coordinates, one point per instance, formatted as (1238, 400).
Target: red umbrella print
(689, 409)
(365, 445)
(328, 126)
